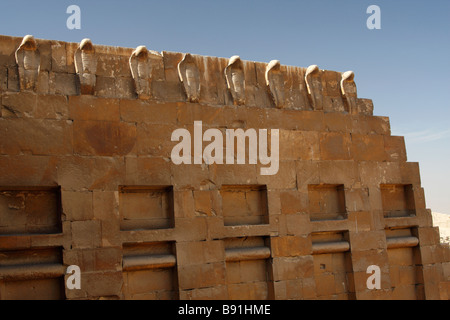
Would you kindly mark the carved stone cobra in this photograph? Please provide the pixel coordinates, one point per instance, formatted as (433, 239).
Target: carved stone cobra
(349, 91)
(28, 60)
(234, 73)
(314, 85)
(275, 82)
(86, 66)
(190, 77)
(141, 71)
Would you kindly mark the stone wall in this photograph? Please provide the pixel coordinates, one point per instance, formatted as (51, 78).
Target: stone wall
(86, 179)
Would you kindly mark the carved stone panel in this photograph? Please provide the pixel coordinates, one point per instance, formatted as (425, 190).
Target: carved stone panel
(314, 85)
(275, 82)
(235, 76)
(141, 70)
(190, 77)
(349, 91)
(86, 66)
(28, 61)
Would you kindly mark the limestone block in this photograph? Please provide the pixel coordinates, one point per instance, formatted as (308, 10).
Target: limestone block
(335, 146)
(357, 200)
(376, 173)
(290, 268)
(331, 81)
(295, 88)
(361, 260)
(93, 260)
(368, 147)
(13, 79)
(95, 285)
(291, 202)
(147, 171)
(77, 206)
(89, 108)
(86, 234)
(18, 105)
(45, 50)
(45, 137)
(285, 178)
(410, 173)
(78, 173)
(154, 140)
(125, 88)
(201, 275)
(395, 148)
(27, 170)
(306, 145)
(52, 107)
(152, 113)
(363, 124)
(213, 293)
(105, 208)
(262, 95)
(364, 221)
(200, 252)
(291, 246)
(305, 120)
(103, 138)
(8, 49)
(338, 122)
(365, 241)
(112, 64)
(43, 83)
(298, 224)
(187, 229)
(3, 79)
(212, 80)
(63, 84)
(365, 106)
(429, 236)
(105, 87)
(58, 57)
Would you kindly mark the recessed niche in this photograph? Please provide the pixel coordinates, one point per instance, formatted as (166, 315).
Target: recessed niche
(149, 271)
(327, 202)
(398, 200)
(248, 268)
(146, 208)
(30, 210)
(333, 274)
(32, 274)
(244, 205)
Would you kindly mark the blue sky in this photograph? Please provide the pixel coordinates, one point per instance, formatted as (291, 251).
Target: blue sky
(404, 67)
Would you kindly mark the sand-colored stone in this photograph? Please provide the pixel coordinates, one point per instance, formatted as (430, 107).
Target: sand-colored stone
(91, 125)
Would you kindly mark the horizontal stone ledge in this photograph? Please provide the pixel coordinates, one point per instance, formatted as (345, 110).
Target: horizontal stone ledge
(29, 272)
(330, 247)
(134, 263)
(242, 254)
(402, 242)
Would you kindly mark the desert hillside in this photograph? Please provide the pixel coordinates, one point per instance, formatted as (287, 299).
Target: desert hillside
(443, 222)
